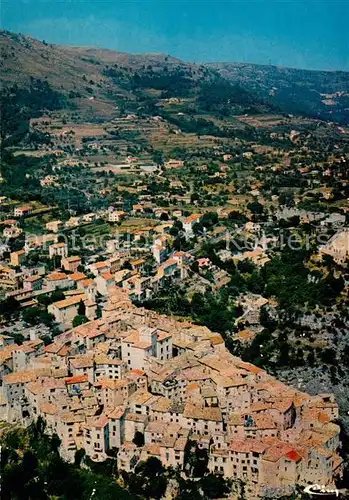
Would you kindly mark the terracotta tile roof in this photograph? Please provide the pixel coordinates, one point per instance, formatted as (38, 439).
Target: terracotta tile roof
(162, 405)
(245, 335)
(134, 339)
(249, 367)
(100, 264)
(69, 302)
(73, 258)
(275, 453)
(156, 427)
(56, 277)
(87, 282)
(70, 418)
(25, 376)
(192, 218)
(101, 422)
(293, 455)
(180, 444)
(48, 408)
(137, 262)
(53, 348)
(113, 384)
(136, 417)
(137, 372)
(103, 359)
(164, 335)
(77, 276)
(217, 339)
(226, 382)
(169, 262)
(83, 361)
(32, 279)
(167, 442)
(115, 413)
(140, 397)
(264, 422)
(202, 413)
(240, 446)
(107, 276)
(78, 379)
(283, 405)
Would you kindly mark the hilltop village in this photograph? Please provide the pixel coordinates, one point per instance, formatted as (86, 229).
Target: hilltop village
(173, 270)
(150, 386)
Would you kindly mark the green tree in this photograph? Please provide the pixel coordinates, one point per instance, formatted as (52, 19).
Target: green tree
(149, 479)
(18, 338)
(46, 318)
(195, 460)
(57, 295)
(9, 306)
(31, 468)
(255, 207)
(81, 308)
(31, 315)
(79, 320)
(214, 486)
(138, 439)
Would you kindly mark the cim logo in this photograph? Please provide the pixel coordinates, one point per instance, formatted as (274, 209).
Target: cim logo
(324, 492)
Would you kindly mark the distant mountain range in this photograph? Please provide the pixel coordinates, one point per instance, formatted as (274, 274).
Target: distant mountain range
(81, 73)
(320, 94)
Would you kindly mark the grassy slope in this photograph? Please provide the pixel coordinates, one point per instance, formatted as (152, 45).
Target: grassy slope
(77, 68)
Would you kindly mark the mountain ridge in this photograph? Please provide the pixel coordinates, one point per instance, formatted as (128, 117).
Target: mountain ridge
(320, 94)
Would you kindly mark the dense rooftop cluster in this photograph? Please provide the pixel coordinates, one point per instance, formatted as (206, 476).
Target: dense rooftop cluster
(134, 372)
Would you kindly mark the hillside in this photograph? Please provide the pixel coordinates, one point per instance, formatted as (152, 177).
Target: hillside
(84, 72)
(321, 94)
(96, 80)
(98, 86)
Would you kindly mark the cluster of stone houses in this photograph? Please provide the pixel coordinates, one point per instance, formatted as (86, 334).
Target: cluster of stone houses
(16, 277)
(135, 371)
(27, 284)
(338, 246)
(56, 225)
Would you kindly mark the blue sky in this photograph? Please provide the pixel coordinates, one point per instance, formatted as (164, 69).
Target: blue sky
(310, 34)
